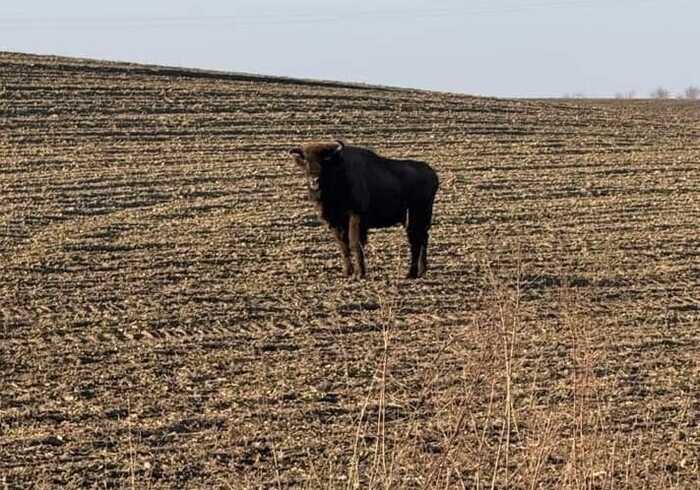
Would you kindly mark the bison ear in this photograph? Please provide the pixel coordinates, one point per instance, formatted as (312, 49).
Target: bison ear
(298, 155)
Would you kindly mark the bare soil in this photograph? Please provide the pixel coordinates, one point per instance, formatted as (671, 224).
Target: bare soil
(172, 312)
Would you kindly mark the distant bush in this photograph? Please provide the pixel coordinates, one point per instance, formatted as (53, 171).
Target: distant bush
(692, 93)
(660, 93)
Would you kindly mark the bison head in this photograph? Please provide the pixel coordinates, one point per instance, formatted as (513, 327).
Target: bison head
(312, 159)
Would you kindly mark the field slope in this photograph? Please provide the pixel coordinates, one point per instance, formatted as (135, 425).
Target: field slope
(172, 312)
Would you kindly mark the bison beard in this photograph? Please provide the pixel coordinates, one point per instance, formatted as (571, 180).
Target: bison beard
(355, 190)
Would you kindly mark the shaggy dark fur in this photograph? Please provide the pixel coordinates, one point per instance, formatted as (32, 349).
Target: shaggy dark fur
(355, 190)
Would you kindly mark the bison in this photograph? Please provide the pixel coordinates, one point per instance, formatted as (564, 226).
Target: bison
(355, 189)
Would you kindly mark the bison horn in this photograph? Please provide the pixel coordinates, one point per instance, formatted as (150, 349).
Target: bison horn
(341, 145)
(297, 152)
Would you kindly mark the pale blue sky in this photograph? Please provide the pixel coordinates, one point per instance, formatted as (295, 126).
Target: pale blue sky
(526, 48)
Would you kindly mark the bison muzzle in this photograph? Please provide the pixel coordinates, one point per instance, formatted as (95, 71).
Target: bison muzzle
(355, 190)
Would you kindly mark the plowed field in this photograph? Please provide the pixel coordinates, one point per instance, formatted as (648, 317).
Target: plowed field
(172, 312)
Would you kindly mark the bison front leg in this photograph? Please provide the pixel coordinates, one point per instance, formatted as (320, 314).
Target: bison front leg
(356, 243)
(341, 236)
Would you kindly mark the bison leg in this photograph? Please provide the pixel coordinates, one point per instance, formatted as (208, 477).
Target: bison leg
(356, 235)
(418, 239)
(423, 259)
(341, 236)
(417, 230)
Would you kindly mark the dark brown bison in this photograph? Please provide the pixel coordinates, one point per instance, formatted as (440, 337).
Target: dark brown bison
(355, 190)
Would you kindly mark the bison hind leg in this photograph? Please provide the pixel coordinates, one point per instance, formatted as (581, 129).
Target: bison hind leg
(418, 240)
(423, 258)
(417, 231)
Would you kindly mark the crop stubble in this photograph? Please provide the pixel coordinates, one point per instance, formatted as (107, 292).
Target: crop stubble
(173, 313)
